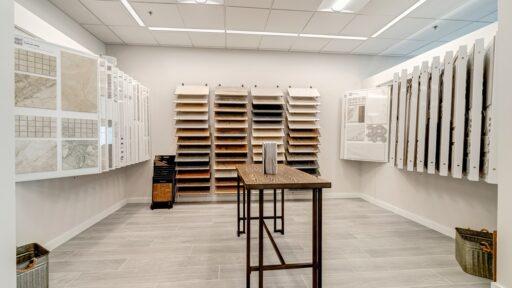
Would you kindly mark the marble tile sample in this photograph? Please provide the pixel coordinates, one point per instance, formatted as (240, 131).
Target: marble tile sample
(79, 128)
(79, 83)
(27, 126)
(34, 62)
(34, 156)
(35, 92)
(79, 154)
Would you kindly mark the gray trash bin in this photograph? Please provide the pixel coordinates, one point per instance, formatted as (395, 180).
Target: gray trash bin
(32, 266)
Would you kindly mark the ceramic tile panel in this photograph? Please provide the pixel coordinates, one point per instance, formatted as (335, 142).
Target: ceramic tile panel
(79, 128)
(79, 154)
(79, 83)
(33, 156)
(34, 62)
(27, 126)
(35, 91)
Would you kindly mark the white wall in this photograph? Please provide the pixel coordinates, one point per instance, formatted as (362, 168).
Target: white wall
(441, 203)
(7, 198)
(504, 46)
(162, 69)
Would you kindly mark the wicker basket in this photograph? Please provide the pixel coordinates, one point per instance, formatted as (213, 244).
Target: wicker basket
(32, 266)
(476, 252)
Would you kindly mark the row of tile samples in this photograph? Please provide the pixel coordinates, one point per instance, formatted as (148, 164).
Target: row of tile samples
(58, 107)
(442, 116)
(193, 140)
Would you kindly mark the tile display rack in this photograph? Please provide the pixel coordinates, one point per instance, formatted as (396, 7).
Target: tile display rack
(267, 121)
(303, 129)
(231, 145)
(193, 170)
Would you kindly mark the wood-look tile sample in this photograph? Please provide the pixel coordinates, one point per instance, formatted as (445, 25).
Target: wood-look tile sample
(33, 156)
(79, 154)
(35, 91)
(79, 79)
(192, 132)
(186, 141)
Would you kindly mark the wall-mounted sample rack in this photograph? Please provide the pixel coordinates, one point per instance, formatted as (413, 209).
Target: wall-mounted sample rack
(303, 129)
(193, 140)
(231, 145)
(267, 121)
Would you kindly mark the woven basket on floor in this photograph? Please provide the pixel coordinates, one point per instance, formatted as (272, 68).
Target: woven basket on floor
(476, 252)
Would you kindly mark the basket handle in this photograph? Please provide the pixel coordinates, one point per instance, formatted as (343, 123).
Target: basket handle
(31, 265)
(486, 248)
(484, 230)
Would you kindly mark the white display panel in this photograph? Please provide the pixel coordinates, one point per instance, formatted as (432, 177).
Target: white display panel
(489, 165)
(433, 112)
(413, 119)
(446, 114)
(402, 120)
(475, 101)
(422, 117)
(459, 111)
(394, 118)
(366, 125)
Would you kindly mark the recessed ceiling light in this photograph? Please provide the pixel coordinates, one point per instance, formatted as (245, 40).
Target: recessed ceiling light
(405, 13)
(345, 6)
(204, 2)
(186, 30)
(261, 33)
(339, 5)
(333, 37)
(132, 12)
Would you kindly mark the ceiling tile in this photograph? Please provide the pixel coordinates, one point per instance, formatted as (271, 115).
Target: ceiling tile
(172, 38)
(387, 7)
(309, 44)
(436, 9)
(365, 25)
(404, 47)
(302, 5)
(103, 33)
(241, 41)
(162, 15)
(426, 48)
(491, 18)
(134, 35)
(327, 23)
(249, 3)
(473, 10)
(110, 12)
(202, 16)
(444, 27)
(287, 21)
(283, 43)
(155, 1)
(208, 40)
(374, 46)
(464, 31)
(405, 28)
(341, 45)
(77, 11)
(251, 19)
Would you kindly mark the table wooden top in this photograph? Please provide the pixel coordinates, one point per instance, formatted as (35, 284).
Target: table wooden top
(286, 178)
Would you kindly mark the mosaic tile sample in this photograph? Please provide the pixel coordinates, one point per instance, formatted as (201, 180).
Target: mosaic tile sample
(79, 128)
(33, 156)
(35, 92)
(35, 126)
(34, 62)
(79, 154)
(79, 83)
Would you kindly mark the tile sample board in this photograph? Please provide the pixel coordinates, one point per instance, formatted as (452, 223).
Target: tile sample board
(267, 121)
(304, 126)
(193, 170)
(365, 125)
(79, 76)
(458, 125)
(433, 119)
(231, 142)
(446, 114)
(413, 119)
(402, 120)
(395, 90)
(421, 134)
(489, 160)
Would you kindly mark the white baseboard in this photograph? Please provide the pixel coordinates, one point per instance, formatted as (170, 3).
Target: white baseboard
(139, 200)
(496, 285)
(411, 216)
(63, 238)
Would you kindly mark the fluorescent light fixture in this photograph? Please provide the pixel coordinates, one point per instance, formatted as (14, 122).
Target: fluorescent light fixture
(339, 5)
(132, 12)
(186, 30)
(399, 17)
(333, 37)
(344, 6)
(262, 33)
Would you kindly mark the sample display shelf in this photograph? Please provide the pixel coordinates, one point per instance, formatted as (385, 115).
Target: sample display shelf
(193, 140)
(303, 129)
(267, 121)
(231, 145)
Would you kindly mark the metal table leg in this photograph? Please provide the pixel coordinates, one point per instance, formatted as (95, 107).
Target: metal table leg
(282, 211)
(319, 231)
(315, 239)
(248, 251)
(275, 211)
(260, 239)
(238, 205)
(243, 207)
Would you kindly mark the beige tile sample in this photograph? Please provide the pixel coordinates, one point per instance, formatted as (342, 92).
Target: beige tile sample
(79, 154)
(79, 83)
(35, 92)
(33, 156)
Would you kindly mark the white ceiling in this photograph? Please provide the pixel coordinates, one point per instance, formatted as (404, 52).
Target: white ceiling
(111, 23)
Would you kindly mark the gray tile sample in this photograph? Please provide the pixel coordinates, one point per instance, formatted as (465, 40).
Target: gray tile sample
(34, 62)
(79, 128)
(79, 154)
(79, 83)
(35, 92)
(27, 126)
(33, 156)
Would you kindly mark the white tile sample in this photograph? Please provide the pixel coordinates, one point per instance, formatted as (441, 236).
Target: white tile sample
(79, 154)
(33, 156)
(79, 83)
(35, 92)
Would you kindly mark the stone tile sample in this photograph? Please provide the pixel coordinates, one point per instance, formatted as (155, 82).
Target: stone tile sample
(79, 83)
(79, 128)
(34, 62)
(27, 126)
(79, 154)
(35, 92)
(34, 156)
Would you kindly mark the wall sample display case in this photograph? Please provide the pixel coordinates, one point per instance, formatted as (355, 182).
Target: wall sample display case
(422, 117)
(402, 120)
(193, 140)
(433, 111)
(231, 146)
(489, 145)
(365, 126)
(413, 119)
(459, 111)
(303, 129)
(446, 114)
(395, 90)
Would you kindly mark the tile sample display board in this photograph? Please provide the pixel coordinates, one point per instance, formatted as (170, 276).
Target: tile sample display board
(303, 129)
(365, 125)
(231, 145)
(193, 140)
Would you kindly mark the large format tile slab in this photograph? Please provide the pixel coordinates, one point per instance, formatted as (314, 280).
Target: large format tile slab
(79, 83)
(79, 154)
(34, 156)
(35, 92)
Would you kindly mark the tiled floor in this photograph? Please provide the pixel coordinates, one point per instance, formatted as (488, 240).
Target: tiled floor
(195, 245)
